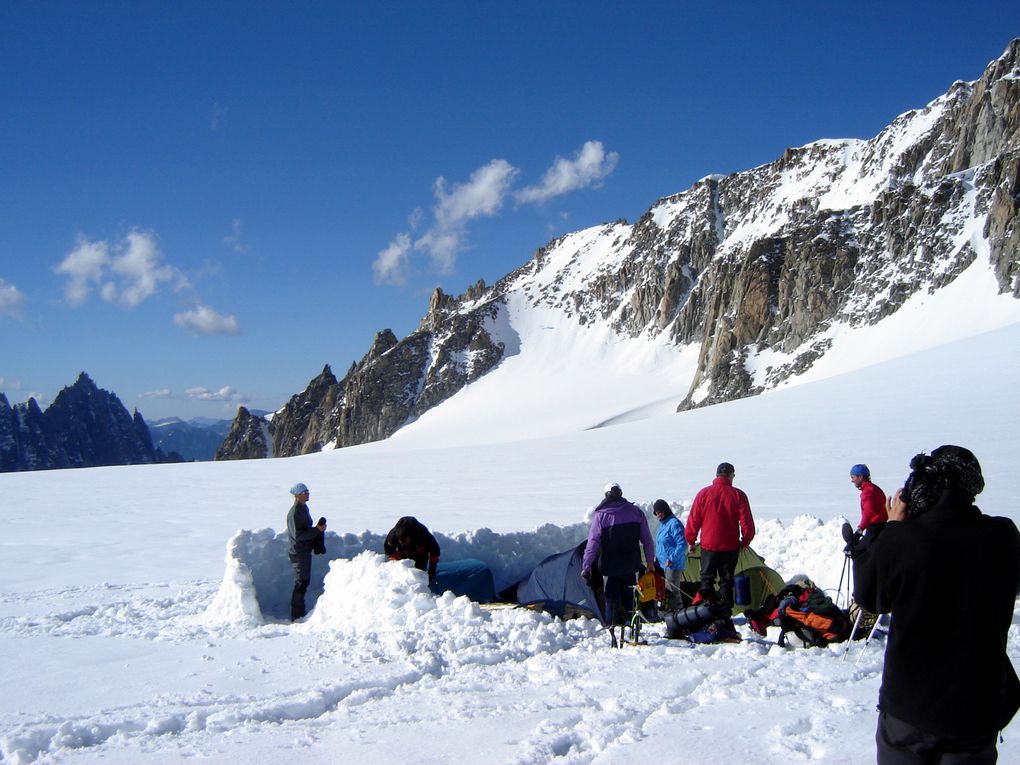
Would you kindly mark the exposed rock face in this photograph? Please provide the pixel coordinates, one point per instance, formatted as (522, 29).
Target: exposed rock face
(760, 269)
(83, 427)
(395, 382)
(837, 233)
(246, 440)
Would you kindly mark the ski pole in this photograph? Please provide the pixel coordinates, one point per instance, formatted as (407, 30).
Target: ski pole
(866, 642)
(857, 621)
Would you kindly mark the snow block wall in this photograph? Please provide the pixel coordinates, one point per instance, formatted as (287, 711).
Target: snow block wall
(258, 579)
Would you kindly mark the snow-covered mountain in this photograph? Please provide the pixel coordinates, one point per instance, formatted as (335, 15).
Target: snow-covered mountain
(734, 287)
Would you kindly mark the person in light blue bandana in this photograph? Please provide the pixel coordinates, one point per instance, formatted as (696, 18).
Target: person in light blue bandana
(302, 537)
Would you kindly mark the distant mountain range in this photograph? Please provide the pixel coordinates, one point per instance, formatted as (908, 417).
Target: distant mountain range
(752, 277)
(85, 426)
(748, 279)
(194, 439)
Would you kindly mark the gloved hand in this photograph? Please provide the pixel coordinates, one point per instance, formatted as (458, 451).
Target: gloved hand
(586, 576)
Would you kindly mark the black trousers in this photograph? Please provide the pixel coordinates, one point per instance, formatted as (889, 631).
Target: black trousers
(900, 743)
(302, 565)
(619, 594)
(722, 564)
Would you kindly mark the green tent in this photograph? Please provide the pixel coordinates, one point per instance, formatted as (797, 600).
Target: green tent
(764, 580)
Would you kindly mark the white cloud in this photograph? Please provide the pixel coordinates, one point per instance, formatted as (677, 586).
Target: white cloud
(140, 268)
(482, 195)
(226, 393)
(83, 267)
(205, 321)
(588, 168)
(390, 266)
(162, 393)
(12, 300)
(128, 273)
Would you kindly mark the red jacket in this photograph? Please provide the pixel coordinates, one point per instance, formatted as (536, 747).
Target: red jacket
(872, 506)
(723, 516)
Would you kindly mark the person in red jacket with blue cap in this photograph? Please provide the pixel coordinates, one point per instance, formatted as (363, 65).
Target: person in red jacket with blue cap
(873, 506)
(872, 498)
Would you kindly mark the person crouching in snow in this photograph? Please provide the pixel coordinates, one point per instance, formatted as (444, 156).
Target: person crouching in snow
(670, 548)
(618, 533)
(410, 539)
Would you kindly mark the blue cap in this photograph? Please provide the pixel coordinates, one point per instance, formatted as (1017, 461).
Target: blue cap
(861, 470)
(298, 488)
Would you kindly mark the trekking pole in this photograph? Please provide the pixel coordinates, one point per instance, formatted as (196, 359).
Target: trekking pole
(842, 576)
(866, 642)
(857, 622)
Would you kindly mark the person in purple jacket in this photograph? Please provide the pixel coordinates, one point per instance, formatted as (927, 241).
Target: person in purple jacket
(618, 534)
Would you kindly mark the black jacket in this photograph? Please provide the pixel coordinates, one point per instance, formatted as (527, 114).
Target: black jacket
(302, 536)
(950, 579)
(410, 539)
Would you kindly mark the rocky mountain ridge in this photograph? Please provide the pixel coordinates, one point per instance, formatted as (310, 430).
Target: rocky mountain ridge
(85, 426)
(759, 270)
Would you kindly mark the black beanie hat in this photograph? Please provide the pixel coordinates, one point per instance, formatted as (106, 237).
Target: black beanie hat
(948, 467)
(725, 468)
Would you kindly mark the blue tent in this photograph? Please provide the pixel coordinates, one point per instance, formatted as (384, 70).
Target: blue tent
(556, 586)
(468, 577)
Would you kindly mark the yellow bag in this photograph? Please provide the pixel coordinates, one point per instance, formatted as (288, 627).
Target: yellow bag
(646, 584)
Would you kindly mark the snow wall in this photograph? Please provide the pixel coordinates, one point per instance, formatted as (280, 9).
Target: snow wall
(258, 580)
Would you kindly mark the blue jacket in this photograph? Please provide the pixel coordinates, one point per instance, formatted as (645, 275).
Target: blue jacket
(670, 544)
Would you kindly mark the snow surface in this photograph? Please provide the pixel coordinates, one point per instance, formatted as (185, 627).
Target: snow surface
(141, 608)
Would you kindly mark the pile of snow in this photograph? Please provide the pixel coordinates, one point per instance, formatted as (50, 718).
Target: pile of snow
(258, 578)
(388, 607)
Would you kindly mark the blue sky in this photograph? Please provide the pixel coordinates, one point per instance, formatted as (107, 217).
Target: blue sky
(203, 203)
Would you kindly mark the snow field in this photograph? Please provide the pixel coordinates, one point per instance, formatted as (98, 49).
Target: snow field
(380, 646)
(128, 635)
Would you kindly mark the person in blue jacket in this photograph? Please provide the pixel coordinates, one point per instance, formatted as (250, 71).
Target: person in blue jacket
(670, 548)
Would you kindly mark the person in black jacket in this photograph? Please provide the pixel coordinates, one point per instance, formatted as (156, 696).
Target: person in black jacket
(948, 685)
(410, 539)
(302, 539)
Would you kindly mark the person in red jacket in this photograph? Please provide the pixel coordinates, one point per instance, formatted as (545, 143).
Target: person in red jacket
(872, 498)
(722, 514)
(873, 507)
